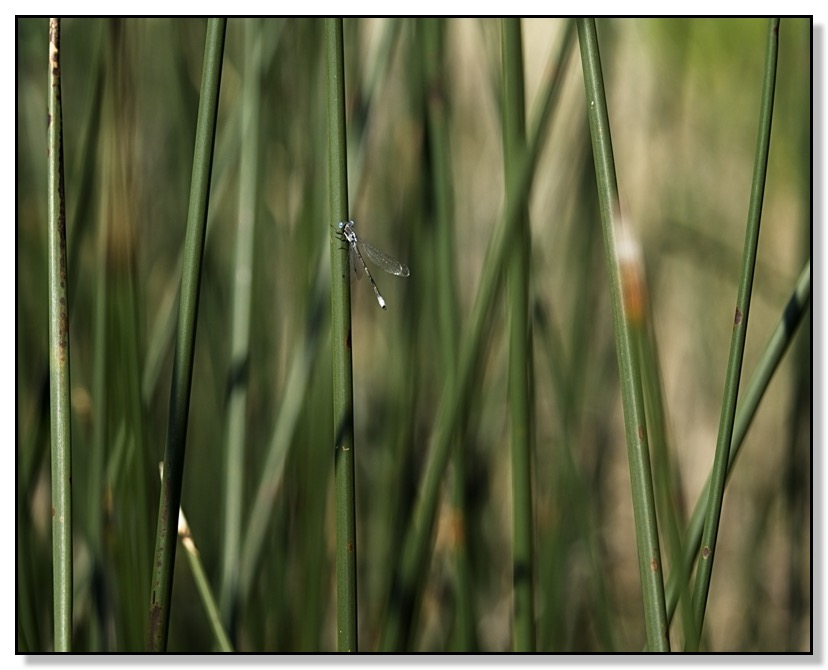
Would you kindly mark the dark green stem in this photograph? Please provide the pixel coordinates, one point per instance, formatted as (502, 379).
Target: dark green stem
(737, 340)
(343, 390)
(404, 603)
(173, 473)
(240, 345)
(432, 32)
(776, 347)
(520, 338)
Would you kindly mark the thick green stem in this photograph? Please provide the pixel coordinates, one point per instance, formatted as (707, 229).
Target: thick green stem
(343, 390)
(650, 565)
(520, 339)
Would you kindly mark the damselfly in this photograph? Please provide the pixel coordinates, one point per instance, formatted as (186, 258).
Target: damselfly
(390, 265)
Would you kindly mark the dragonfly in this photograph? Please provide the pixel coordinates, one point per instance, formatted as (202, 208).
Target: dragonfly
(381, 259)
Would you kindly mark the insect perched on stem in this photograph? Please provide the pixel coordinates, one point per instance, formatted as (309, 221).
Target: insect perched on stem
(383, 260)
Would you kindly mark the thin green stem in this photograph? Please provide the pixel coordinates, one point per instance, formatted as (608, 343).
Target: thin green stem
(95, 488)
(343, 390)
(404, 601)
(86, 165)
(120, 409)
(664, 473)
(59, 379)
(624, 317)
(737, 341)
(202, 583)
(520, 338)
(173, 475)
(777, 345)
(235, 431)
(287, 418)
(432, 32)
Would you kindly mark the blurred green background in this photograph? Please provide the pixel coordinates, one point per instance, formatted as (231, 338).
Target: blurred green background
(684, 105)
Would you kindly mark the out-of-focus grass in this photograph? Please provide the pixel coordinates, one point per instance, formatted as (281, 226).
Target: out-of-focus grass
(683, 130)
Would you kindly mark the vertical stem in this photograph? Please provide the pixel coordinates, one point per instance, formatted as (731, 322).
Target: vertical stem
(663, 468)
(173, 474)
(782, 336)
(59, 360)
(341, 345)
(240, 344)
(403, 605)
(520, 356)
(737, 340)
(432, 32)
(625, 298)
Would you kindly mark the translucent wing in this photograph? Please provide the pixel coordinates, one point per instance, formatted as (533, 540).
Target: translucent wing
(383, 260)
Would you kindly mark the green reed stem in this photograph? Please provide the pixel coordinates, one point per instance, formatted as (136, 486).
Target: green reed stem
(520, 350)
(59, 379)
(173, 475)
(343, 390)
(405, 591)
(664, 471)
(737, 341)
(649, 554)
(202, 584)
(432, 32)
(235, 431)
(776, 347)
(294, 397)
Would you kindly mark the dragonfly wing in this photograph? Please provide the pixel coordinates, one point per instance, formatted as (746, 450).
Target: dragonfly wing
(384, 261)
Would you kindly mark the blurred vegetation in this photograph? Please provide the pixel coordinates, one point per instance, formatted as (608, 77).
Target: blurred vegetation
(683, 99)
